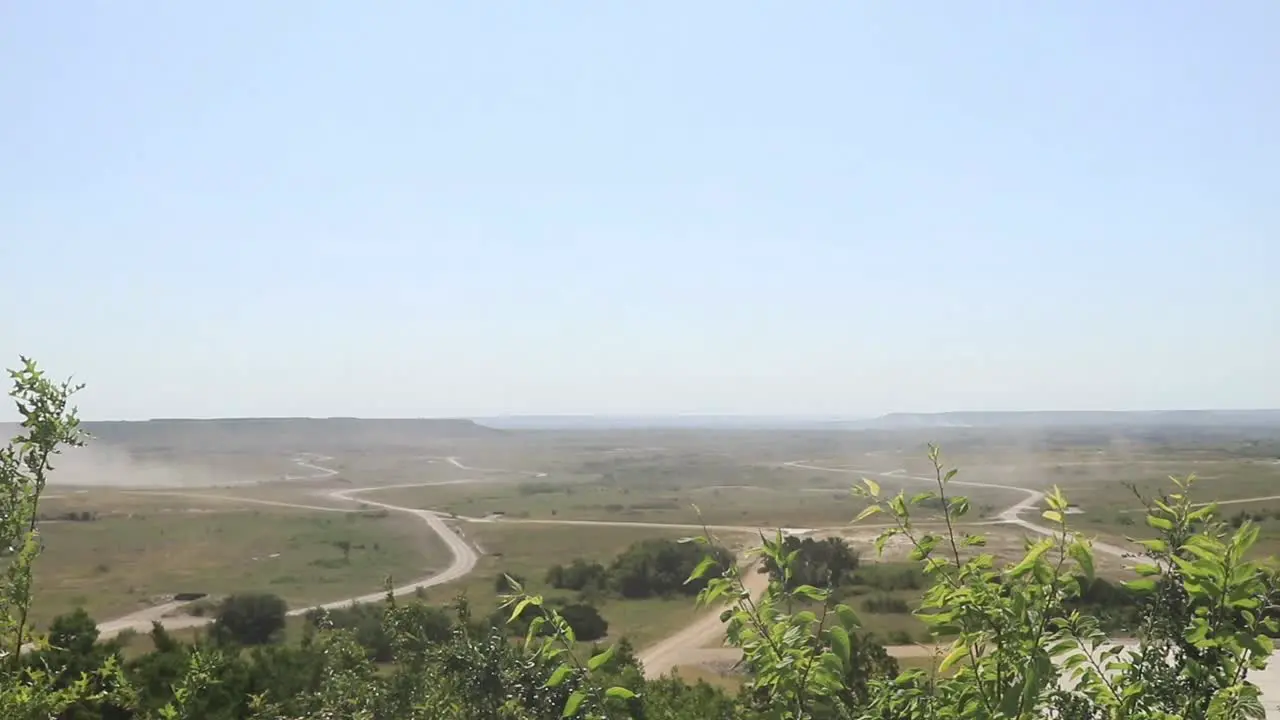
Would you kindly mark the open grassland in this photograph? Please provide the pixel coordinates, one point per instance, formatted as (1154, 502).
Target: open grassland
(108, 502)
(1107, 487)
(747, 506)
(1109, 507)
(120, 563)
(742, 504)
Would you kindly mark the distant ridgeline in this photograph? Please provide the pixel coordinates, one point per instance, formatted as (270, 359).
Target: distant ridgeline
(1070, 418)
(1004, 420)
(1247, 433)
(248, 434)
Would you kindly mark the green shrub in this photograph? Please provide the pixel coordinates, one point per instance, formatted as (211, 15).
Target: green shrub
(890, 577)
(250, 618)
(885, 604)
(899, 637)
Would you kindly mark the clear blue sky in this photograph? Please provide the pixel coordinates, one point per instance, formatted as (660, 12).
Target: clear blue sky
(410, 208)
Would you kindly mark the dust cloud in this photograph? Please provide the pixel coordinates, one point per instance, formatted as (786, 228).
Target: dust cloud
(97, 465)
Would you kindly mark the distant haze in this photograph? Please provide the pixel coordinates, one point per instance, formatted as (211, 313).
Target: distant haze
(903, 421)
(231, 451)
(103, 465)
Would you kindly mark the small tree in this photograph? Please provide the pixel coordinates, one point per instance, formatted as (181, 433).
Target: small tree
(586, 621)
(250, 618)
(505, 582)
(345, 547)
(49, 424)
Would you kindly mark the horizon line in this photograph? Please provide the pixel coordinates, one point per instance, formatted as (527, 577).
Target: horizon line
(828, 417)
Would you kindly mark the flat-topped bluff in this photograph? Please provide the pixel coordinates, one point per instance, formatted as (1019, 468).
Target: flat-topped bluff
(276, 432)
(1074, 418)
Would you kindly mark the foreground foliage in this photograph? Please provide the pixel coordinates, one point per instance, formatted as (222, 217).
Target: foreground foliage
(1015, 640)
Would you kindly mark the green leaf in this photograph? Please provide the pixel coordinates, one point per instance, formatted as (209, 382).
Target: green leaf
(600, 658)
(810, 592)
(899, 504)
(883, 538)
(701, 569)
(713, 590)
(1141, 586)
(1033, 556)
(519, 608)
(848, 618)
(834, 670)
(1159, 523)
(1211, 554)
(873, 487)
(1055, 499)
(867, 512)
(1080, 552)
(958, 651)
(617, 691)
(575, 700)
(1052, 516)
(840, 644)
(1155, 545)
(559, 675)
(1203, 513)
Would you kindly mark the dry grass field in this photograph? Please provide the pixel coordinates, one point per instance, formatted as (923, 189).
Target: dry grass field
(120, 562)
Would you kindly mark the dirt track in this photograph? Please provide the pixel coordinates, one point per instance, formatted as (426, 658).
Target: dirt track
(679, 649)
(463, 561)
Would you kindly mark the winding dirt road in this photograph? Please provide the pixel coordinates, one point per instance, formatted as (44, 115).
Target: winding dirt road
(1010, 516)
(688, 646)
(682, 647)
(308, 461)
(455, 461)
(463, 561)
(464, 556)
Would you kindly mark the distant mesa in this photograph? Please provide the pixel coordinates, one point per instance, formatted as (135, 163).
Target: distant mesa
(1071, 419)
(272, 433)
(1012, 420)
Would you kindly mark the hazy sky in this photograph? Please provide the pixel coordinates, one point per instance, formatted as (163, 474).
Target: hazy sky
(413, 208)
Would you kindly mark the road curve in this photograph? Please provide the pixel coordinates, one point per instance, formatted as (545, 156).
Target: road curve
(456, 462)
(308, 461)
(1010, 516)
(463, 561)
(687, 645)
(674, 650)
(464, 556)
